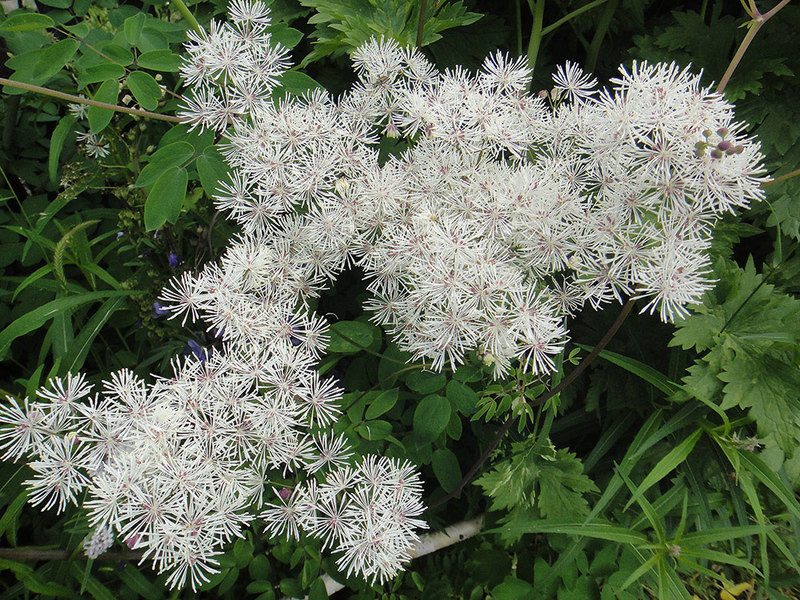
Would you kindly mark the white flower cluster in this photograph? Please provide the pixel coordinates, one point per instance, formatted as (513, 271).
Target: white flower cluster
(180, 467)
(503, 213)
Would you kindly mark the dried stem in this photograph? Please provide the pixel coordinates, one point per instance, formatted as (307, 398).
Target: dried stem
(71, 98)
(538, 402)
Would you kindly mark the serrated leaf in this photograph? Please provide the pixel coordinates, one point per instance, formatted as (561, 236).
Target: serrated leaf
(165, 200)
(145, 89)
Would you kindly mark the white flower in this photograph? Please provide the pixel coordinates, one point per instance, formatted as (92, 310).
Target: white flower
(94, 145)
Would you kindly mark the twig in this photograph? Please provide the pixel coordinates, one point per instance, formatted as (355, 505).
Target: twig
(538, 402)
(63, 96)
(756, 24)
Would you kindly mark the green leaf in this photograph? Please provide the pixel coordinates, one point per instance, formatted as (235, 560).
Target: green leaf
(103, 72)
(446, 468)
(26, 22)
(562, 485)
(374, 430)
(145, 89)
(165, 200)
(60, 133)
(513, 589)
(296, 83)
(666, 465)
(463, 397)
(349, 337)
(79, 349)
(213, 170)
(718, 534)
(8, 523)
(597, 529)
(640, 369)
(39, 316)
(176, 154)
(431, 417)
(382, 403)
(132, 27)
(425, 382)
(99, 118)
(281, 33)
(318, 590)
(159, 60)
(53, 59)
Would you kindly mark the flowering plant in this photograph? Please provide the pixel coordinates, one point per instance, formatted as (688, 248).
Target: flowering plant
(500, 214)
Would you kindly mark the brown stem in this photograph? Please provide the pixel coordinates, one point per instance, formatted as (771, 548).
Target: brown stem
(58, 554)
(789, 175)
(538, 402)
(56, 94)
(756, 24)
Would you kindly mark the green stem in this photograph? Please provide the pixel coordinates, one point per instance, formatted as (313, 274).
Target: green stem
(56, 94)
(756, 24)
(536, 31)
(423, 9)
(188, 16)
(518, 12)
(794, 173)
(572, 15)
(600, 33)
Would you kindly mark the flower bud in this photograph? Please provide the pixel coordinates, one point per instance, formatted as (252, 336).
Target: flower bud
(717, 153)
(722, 132)
(724, 145)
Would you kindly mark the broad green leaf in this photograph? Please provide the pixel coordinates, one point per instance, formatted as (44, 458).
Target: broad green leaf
(103, 72)
(159, 60)
(132, 27)
(213, 170)
(374, 430)
(463, 397)
(39, 316)
(26, 22)
(425, 382)
(381, 404)
(8, 523)
(53, 59)
(431, 417)
(349, 337)
(145, 89)
(296, 83)
(318, 590)
(176, 154)
(99, 118)
(165, 200)
(446, 468)
(60, 133)
(281, 33)
(513, 588)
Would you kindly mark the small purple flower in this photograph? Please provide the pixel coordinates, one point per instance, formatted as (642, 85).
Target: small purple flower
(158, 310)
(199, 352)
(120, 234)
(174, 260)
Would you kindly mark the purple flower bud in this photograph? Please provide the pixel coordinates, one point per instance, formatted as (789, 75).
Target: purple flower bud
(196, 349)
(174, 260)
(158, 310)
(723, 131)
(724, 145)
(716, 153)
(284, 493)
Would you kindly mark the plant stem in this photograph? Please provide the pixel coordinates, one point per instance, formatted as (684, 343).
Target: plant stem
(607, 337)
(756, 24)
(423, 8)
(518, 14)
(187, 14)
(570, 16)
(536, 31)
(63, 96)
(600, 33)
(789, 175)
